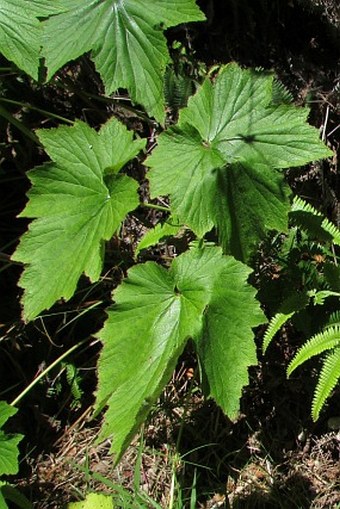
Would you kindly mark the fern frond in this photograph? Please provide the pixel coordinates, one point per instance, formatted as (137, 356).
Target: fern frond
(332, 275)
(177, 89)
(333, 320)
(325, 340)
(329, 377)
(274, 326)
(313, 222)
(319, 297)
(288, 308)
(73, 380)
(281, 94)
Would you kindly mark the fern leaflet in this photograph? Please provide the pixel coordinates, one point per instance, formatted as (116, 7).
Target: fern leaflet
(288, 308)
(274, 326)
(312, 221)
(281, 95)
(325, 340)
(329, 377)
(334, 320)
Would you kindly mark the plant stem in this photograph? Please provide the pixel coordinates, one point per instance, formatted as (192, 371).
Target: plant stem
(19, 125)
(156, 207)
(47, 370)
(39, 110)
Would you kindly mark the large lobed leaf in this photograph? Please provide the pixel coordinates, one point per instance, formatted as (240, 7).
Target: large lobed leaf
(203, 296)
(78, 201)
(220, 164)
(21, 31)
(126, 39)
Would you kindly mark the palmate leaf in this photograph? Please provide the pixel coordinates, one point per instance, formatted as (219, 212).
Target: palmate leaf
(126, 39)
(203, 296)
(220, 163)
(21, 31)
(78, 201)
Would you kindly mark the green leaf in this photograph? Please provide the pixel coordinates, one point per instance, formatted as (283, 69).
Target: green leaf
(3, 504)
(9, 453)
(220, 163)
(156, 312)
(12, 494)
(8, 443)
(161, 231)
(78, 201)
(6, 411)
(126, 39)
(93, 501)
(239, 189)
(21, 32)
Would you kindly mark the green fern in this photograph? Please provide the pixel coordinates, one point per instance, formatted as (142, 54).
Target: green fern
(177, 89)
(328, 339)
(289, 307)
(313, 222)
(329, 377)
(327, 342)
(317, 344)
(334, 320)
(73, 379)
(332, 276)
(274, 326)
(281, 94)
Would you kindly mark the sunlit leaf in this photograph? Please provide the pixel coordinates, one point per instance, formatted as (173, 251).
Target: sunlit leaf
(221, 164)
(126, 39)
(77, 202)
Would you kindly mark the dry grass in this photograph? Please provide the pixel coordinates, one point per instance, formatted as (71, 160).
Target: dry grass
(188, 449)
